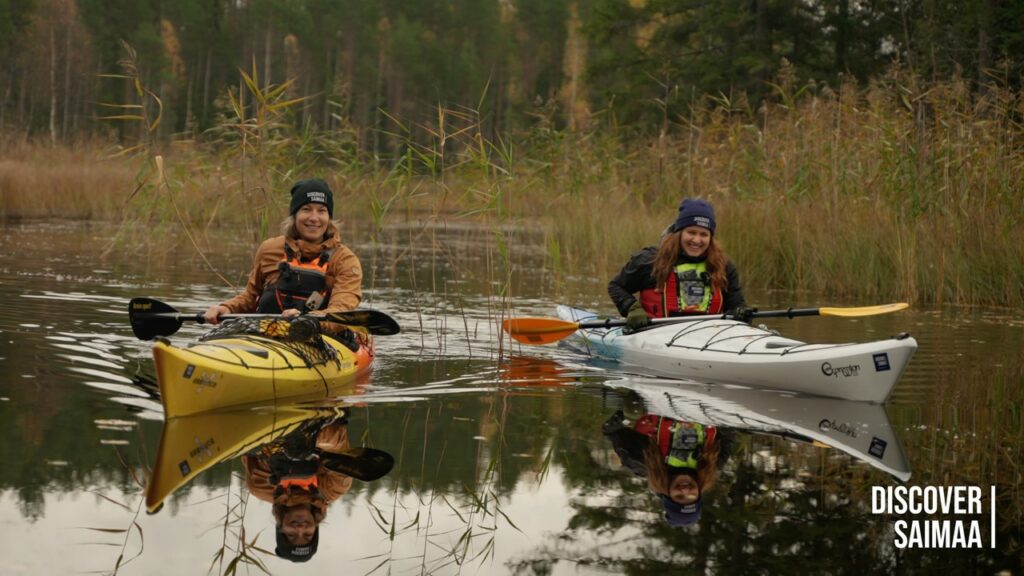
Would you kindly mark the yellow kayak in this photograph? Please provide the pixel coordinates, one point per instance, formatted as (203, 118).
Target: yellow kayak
(194, 443)
(247, 369)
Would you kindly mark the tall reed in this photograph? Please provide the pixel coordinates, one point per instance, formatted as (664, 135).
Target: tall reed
(897, 189)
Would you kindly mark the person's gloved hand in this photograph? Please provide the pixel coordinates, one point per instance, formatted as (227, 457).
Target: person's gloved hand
(743, 313)
(637, 317)
(614, 423)
(303, 328)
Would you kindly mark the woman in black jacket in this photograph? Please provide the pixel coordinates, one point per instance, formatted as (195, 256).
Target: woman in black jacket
(688, 273)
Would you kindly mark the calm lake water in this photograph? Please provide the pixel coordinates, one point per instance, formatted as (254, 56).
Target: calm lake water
(501, 462)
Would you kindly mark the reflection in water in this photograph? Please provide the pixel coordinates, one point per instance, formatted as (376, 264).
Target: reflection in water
(679, 460)
(859, 429)
(501, 466)
(678, 435)
(297, 459)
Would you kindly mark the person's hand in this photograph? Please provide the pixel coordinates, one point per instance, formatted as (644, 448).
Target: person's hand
(290, 313)
(303, 328)
(614, 423)
(637, 317)
(213, 314)
(743, 313)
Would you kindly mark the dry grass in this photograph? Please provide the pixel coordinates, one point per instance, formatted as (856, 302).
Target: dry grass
(894, 190)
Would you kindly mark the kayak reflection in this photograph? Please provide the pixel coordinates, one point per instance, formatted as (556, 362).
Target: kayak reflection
(678, 435)
(298, 459)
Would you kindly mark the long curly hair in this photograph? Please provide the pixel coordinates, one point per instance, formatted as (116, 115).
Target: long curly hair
(658, 472)
(668, 254)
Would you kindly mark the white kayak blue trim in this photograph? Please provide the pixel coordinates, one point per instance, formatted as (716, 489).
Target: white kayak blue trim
(729, 351)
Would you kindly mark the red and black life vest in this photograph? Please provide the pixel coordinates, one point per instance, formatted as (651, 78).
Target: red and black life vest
(686, 291)
(298, 280)
(681, 443)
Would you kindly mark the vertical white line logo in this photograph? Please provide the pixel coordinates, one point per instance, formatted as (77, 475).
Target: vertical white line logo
(992, 505)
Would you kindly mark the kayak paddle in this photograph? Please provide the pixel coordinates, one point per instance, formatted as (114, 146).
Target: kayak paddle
(548, 330)
(151, 318)
(366, 464)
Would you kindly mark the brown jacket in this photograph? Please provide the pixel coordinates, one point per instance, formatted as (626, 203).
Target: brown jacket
(333, 485)
(344, 274)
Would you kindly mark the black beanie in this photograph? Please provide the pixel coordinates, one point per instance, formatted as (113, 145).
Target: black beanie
(313, 190)
(289, 551)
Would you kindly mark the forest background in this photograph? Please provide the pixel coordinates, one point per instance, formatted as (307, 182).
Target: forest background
(862, 149)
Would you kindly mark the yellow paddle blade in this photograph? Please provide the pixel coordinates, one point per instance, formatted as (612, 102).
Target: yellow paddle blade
(864, 310)
(538, 330)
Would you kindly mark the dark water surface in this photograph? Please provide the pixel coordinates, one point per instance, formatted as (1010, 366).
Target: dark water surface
(501, 464)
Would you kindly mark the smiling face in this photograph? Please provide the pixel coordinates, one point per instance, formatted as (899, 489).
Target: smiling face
(684, 489)
(311, 221)
(298, 525)
(694, 240)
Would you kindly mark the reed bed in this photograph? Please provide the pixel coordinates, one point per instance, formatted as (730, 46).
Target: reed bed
(891, 190)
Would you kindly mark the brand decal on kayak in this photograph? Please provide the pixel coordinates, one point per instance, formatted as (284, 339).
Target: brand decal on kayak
(202, 449)
(841, 427)
(881, 362)
(877, 448)
(840, 371)
(206, 380)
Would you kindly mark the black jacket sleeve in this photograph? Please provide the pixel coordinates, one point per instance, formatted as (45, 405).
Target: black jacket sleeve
(629, 446)
(634, 277)
(733, 296)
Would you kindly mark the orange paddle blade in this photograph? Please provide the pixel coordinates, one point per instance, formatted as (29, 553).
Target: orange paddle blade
(538, 330)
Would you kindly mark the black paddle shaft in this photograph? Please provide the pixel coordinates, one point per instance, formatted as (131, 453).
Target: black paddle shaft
(151, 318)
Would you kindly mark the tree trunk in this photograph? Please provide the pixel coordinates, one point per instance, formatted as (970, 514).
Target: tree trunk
(984, 36)
(842, 28)
(763, 40)
(188, 100)
(266, 57)
(206, 86)
(67, 81)
(329, 67)
(53, 85)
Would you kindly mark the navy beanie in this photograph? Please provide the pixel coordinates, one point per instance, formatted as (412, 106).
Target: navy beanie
(313, 190)
(680, 514)
(695, 212)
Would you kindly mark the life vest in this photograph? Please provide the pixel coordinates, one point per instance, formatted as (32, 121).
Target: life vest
(309, 483)
(297, 281)
(681, 443)
(687, 291)
(286, 474)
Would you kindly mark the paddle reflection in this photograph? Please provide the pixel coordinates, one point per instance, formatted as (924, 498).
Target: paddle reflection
(298, 459)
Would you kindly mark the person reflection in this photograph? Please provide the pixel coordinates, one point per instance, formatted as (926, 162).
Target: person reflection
(302, 473)
(680, 460)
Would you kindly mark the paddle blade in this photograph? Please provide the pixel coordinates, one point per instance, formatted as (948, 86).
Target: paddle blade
(538, 330)
(375, 321)
(366, 464)
(151, 318)
(864, 310)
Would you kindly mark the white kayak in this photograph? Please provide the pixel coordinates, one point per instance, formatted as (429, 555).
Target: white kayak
(729, 351)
